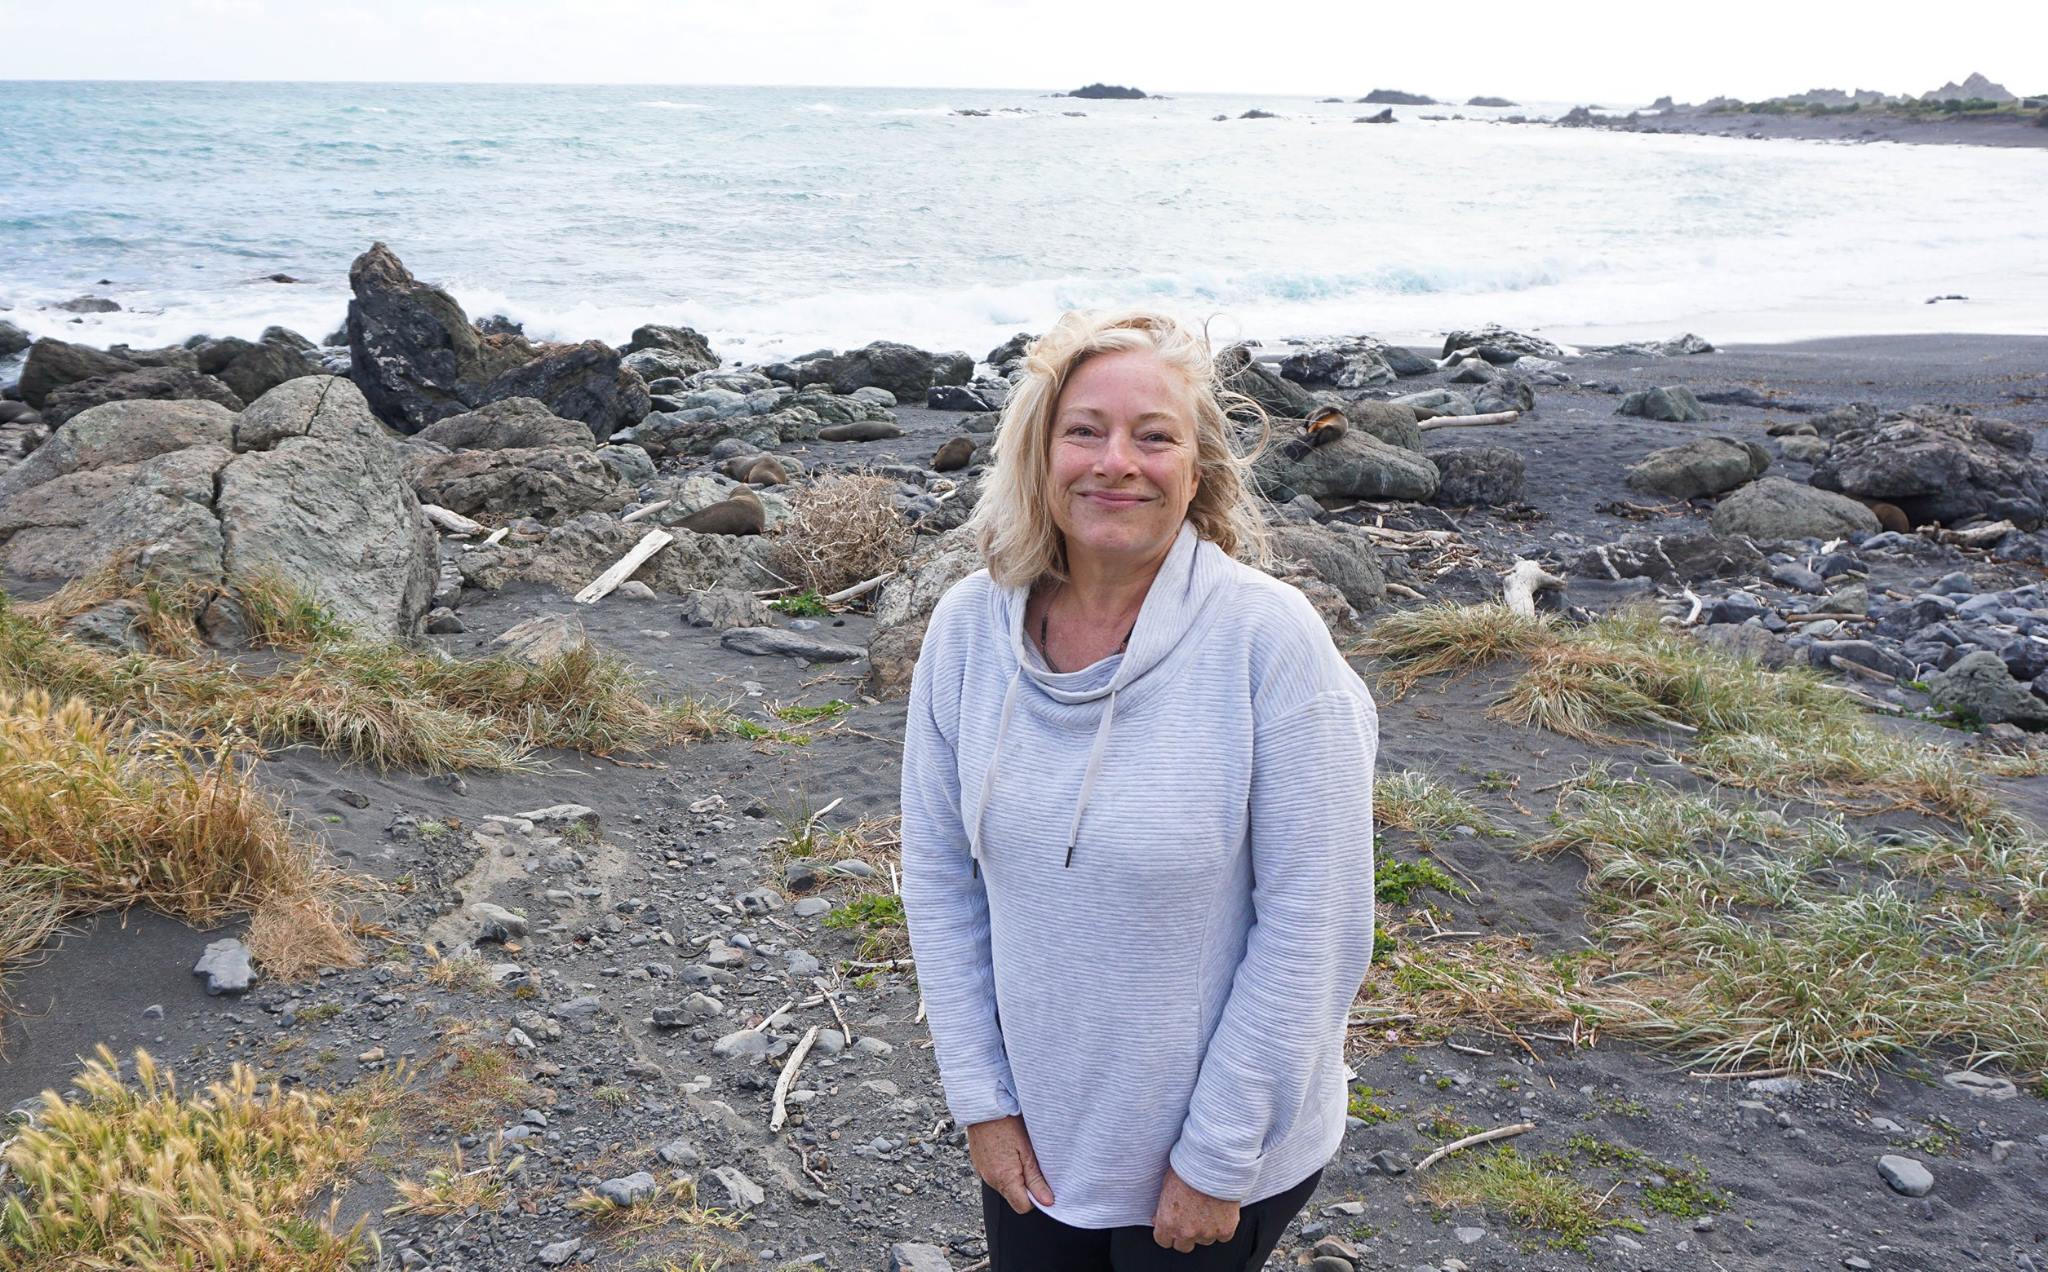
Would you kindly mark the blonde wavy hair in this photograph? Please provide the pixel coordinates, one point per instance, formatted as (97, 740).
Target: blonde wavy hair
(1013, 521)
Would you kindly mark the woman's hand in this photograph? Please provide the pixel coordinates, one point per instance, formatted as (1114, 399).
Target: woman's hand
(1185, 1218)
(1002, 1156)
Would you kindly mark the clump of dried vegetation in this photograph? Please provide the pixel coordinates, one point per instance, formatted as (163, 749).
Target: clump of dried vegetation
(97, 815)
(376, 702)
(142, 1176)
(842, 530)
(1740, 933)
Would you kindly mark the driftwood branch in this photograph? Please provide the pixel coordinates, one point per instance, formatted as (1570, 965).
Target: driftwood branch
(1470, 421)
(859, 589)
(796, 1059)
(449, 520)
(605, 584)
(1520, 585)
(646, 510)
(832, 1000)
(1402, 589)
(1483, 1137)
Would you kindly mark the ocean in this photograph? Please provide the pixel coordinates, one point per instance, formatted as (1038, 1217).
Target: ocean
(779, 220)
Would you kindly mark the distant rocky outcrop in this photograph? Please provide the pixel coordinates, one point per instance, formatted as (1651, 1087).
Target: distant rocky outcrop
(1976, 87)
(1115, 92)
(904, 371)
(1395, 97)
(1940, 464)
(1497, 103)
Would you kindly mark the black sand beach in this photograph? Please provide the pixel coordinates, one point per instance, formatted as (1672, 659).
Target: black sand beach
(653, 947)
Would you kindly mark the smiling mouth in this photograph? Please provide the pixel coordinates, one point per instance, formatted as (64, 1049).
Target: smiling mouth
(1119, 499)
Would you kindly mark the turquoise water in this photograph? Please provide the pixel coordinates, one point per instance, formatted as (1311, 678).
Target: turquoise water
(782, 219)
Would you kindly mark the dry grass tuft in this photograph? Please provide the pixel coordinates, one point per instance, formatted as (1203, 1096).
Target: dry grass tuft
(454, 1187)
(96, 816)
(141, 1177)
(842, 530)
(371, 702)
(1451, 638)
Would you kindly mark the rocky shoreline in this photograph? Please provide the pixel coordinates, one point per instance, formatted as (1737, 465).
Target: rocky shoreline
(603, 964)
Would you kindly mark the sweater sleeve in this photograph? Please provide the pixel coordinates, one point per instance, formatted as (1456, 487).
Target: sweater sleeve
(947, 909)
(1309, 945)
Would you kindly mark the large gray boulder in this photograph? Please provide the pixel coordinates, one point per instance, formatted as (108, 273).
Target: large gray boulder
(1703, 466)
(1392, 422)
(546, 483)
(1338, 555)
(12, 339)
(1242, 373)
(1672, 403)
(414, 354)
(1690, 557)
(1477, 476)
(1979, 686)
(1940, 465)
(1773, 508)
(904, 607)
(1355, 466)
(154, 516)
(318, 498)
(162, 384)
(120, 434)
(514, 423)
(584, 382)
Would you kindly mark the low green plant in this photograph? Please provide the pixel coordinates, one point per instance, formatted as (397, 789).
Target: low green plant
(805, 604)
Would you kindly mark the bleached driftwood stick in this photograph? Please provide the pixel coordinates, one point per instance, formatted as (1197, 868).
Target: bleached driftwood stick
(604, 584)
(1402, 589)
(796, 1059)
(860, 589)
(845, 1030)
(1470, 421)
(1693, 615)
(449, 520)
(495, 536)
(1520, 585)
(646, 511)
(1484, 1137)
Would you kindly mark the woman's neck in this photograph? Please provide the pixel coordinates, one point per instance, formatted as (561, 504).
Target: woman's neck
(1105, 588)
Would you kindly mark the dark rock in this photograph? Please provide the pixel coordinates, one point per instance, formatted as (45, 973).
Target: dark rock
(1504, 393)
(1344, 559)
(1108, 92)
(12, 339)
(154, 384)
(956, 397)
(689, 345)
(1391, 422)
(1242, 373)
(1500, 346)
(414, 354)
(578, 382)
(254, 368)
(88, 305)
(2025, 657)
(1861, 652)
(1748, 641)
(548, 484)
(1940, 465)
(904, 371)
(1798, 578)
(513, 423)
(1384, 117)
(775, 642)
(1355, 466)
(1497, 103)
(1477, 476)
(1736, 607)
(1671, 558)
(1773, 508)
(1703, 466)
(1395, 97)
(1978, 687)
(1406, 362)
(1358, 363)
(1673, 403)
(54, 363)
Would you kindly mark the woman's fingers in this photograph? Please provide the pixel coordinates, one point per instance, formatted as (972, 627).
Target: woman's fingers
(1034, 1178)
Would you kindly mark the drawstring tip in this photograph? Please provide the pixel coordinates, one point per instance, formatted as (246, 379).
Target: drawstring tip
(977, 869)
(1070, 854)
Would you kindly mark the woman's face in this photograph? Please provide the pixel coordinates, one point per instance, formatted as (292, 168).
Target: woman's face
(1123, 458)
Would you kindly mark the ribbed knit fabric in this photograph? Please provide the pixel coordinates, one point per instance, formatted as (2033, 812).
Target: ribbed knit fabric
(1178, 992)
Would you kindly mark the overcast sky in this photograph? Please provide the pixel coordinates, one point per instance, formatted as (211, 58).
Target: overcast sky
(1619, 50)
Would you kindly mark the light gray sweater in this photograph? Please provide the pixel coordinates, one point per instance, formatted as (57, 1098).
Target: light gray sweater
(1141, 894)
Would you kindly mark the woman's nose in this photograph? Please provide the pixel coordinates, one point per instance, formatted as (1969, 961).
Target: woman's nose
(1119, 454)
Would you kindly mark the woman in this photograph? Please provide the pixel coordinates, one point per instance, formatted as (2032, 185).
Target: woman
(1137, 830)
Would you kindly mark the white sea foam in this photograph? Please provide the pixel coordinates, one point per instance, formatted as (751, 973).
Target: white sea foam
(664, 105)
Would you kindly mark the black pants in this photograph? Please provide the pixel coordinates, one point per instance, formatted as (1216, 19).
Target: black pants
(1036, 1242)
